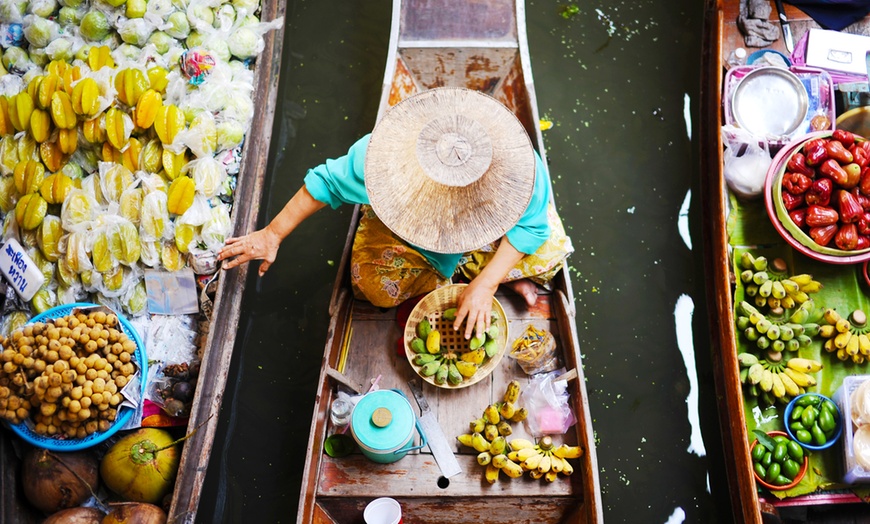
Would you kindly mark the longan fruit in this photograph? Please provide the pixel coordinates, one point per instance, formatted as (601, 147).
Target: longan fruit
(120, 381)
(129, 346)
(104, 425)
(92, 426)
(47, 409)
(91, 373)
(81, 379)
(60, 366)
(18, 359)
(81, 367)
(124, 357)
(51, 357)
(73, 322)
(84, 413)
(60, 322)
(128, 369)
(100, 316)
(85, 402)
(40, 428)
(114, 335)
(16, 335)
(39, 365)
(55, 345)
(76, 393)
(111, 358)
(114, 401)
(117, 348)
(28, 330)
(97, 399)
(91, 346)
(54, 391)
(54, 380)
(9, 367)
(8, 355)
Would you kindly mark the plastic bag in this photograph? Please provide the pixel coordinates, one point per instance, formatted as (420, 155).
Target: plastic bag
(747, 159)
(535, 351)
(547, 401)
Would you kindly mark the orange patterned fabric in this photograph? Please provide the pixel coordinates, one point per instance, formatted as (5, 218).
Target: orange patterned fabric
(386, 271)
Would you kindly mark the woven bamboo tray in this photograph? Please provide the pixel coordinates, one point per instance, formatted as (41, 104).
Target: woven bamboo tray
(431, 307)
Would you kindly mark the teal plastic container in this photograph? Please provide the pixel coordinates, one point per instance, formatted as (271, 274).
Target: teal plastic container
(383, 423)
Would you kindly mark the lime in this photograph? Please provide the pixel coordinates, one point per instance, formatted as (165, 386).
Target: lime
(95, 26)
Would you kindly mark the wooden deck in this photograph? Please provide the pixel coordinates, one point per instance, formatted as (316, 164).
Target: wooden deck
(722, 35)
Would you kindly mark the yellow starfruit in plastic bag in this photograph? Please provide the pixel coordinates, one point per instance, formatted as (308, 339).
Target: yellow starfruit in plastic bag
(45, 266)
(184, 235)
(78, 207)
(33, 89)
(119, 125)
(20, 107)
(150, 253)
(208, 174)
(65, 274)
(86, 97)
(109, 154)
(51, 156)
(55, 188)
(47, 86)
(154, 216)
(70, 76)
(8, 155)
(57, 67)
(168, 122)
(28, 176)
(157, 77)
(152, 156)
(131, 156)
(114, 181)
(130, 84)
(43, 300)
(203, 135)
(40, 125)
(76, 252)
(124, 242)
(48, 236)
(180, 197)
(114, 278)
(94, 130)
(87, 278)
(8, 194)
(99, 57)
(171, 258)
(136, 299)
(146, 110)
(61, 110)
(30, 210)
(28, 149)
(6, 127)
(68, 140)
(100, 255)
(173, 163)
(131, 204)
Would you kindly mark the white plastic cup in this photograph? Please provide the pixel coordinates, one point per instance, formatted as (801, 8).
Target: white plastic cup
(383, 511)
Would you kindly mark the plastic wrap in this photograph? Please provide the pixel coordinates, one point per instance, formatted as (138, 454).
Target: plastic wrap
(548, 402)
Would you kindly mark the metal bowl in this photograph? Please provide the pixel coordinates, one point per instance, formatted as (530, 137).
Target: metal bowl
(770, 101)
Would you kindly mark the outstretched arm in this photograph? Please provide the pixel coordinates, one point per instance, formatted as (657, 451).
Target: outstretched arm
(475, 302)
(263, 244)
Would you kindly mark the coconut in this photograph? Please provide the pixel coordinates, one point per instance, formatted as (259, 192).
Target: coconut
(54, 481)
(135, 513)
(142, 465)
(76, 516)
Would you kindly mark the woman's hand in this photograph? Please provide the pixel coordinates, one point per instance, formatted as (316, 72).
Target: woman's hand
(474, 307)
(259, 245)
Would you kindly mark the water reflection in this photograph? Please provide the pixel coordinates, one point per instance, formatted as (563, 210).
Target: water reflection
(618, 80)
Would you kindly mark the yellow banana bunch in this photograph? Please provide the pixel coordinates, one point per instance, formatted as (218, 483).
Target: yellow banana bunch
(488, 435)
(773, 379)
(847, 337)
(770, 284)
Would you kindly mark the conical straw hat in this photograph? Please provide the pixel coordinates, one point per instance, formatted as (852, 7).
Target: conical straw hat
(449, 170)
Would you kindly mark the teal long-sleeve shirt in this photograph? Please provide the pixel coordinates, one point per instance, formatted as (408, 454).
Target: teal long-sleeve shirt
(342, 181)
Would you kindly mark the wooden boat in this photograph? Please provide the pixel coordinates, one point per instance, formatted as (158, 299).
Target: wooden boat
(721, 37)
(224, 319)
(482, 46)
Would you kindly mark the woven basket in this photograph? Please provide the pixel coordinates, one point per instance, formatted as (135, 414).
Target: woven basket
(431, 307)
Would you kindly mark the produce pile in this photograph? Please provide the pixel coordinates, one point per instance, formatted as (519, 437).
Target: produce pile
(826, 191)
(496, 454)
(66, 375)
(452, 363)
(121, 126)
(777, 459)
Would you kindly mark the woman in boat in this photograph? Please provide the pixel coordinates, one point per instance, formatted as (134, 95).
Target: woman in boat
(450, 185)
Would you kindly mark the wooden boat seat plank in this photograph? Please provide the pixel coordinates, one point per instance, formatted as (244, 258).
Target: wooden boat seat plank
(417, 476)
(444, 19)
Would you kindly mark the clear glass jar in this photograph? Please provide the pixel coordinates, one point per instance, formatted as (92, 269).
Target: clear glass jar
(340, 412)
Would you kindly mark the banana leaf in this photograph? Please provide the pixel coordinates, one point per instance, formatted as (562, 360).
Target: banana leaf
(844, 289)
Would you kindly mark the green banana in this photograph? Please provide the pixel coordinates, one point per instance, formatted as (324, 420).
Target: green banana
(423, 359)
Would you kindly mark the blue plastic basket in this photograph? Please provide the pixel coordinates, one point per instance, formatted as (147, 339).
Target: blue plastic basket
(25, 429)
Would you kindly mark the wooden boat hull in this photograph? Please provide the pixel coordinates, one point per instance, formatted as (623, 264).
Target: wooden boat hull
(434, 44)
(224, 321)
(720, 37)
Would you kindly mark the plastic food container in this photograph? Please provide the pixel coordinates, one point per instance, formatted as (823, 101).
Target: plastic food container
(853, 471)
(787, 420)
(383, 423)
(125, 413)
